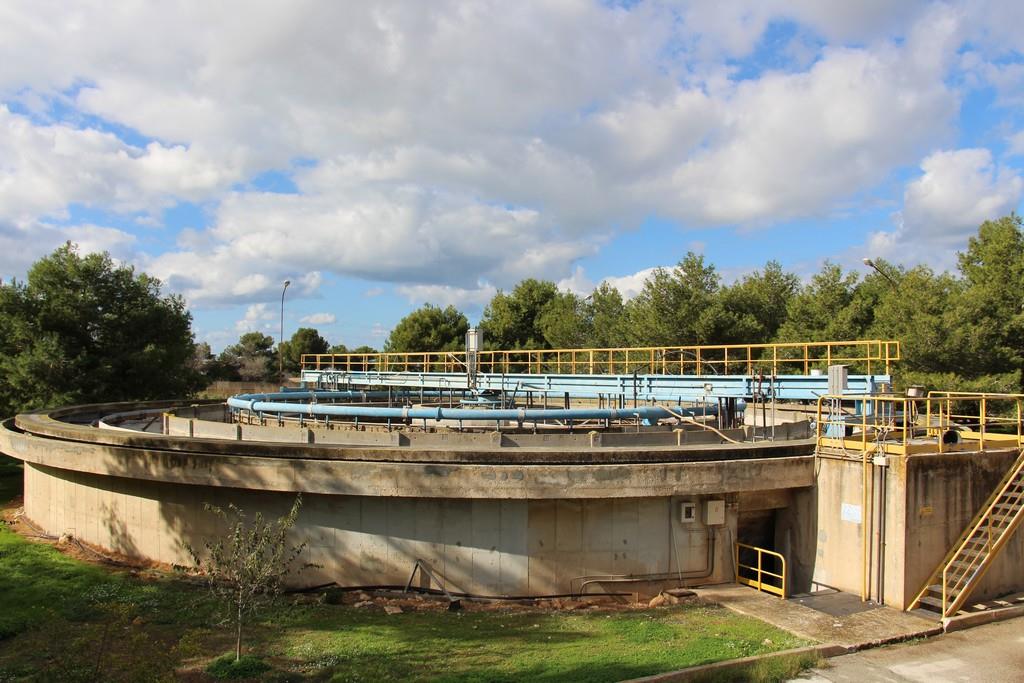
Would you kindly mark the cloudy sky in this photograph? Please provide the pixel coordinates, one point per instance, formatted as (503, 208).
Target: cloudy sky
(386, 154)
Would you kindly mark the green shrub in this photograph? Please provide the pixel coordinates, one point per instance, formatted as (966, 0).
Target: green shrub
(246, 666)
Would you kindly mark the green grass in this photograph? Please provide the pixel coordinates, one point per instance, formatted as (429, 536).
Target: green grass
(593, 646)
(246, 666)
(62, 619)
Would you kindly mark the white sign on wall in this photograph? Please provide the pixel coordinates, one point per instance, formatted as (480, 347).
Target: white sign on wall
(850, 513)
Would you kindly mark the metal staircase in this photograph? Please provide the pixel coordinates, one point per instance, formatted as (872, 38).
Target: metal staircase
(962, 569)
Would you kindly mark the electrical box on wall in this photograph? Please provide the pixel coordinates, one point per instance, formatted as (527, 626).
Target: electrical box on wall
(714, 512)
(687, 512)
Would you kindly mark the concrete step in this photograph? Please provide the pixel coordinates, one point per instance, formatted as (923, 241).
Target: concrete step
(932, 604)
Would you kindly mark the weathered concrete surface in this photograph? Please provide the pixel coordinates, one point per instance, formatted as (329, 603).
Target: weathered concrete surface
(917, 508)
(412, 479)
(530, 528)
(987, 654)
(493, 448)
(863, 629)
(492, 547)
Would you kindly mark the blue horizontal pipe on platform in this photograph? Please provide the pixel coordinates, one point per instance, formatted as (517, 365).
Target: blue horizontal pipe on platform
(644, 387)
(255, 403)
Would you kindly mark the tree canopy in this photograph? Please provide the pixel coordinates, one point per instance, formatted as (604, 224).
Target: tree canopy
(958, 330)
(429, 328)
(305, 340)
(252, 358)
(513, 321)
(84, 329)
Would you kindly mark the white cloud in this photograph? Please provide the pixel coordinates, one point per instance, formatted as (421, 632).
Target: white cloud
(43, 169)
(258, 317)
(631, 285)
(454, 147)
(1015, 144)
(958, 190)
(578, 283)
(319, 319)
(445, 295)
(21, 245)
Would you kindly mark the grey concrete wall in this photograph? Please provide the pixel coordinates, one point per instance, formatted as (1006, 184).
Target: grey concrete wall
(918, 507)
(943, 494)
(500, 547)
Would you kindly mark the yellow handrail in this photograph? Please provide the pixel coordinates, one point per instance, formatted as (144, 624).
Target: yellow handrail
(892, 425)
(760, 572)
(782, 358)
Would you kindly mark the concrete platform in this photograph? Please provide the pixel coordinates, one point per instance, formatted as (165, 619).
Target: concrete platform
(989, 653)
(852, 630)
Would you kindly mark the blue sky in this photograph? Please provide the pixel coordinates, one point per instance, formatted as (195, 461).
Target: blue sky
(385, 155)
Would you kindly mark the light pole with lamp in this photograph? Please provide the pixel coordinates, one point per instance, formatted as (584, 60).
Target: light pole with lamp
(874, 266)
(280, 339)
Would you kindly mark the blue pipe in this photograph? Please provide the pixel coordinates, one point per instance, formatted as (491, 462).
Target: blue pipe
(254, 403)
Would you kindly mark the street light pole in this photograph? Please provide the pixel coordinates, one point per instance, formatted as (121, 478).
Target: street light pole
(280, 339)
(871, 264)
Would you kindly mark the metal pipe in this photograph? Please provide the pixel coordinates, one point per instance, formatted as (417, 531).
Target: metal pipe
(708, 570)
(254, 402)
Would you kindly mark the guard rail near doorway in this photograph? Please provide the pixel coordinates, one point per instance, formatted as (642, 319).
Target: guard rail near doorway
(746, 359)
(754, 575)
(901, 425)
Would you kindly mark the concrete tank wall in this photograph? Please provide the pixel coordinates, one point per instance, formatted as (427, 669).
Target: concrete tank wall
(498, 547)
(918, 507)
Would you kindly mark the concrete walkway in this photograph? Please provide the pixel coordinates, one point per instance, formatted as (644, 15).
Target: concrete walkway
(853, 631)
(990, 653)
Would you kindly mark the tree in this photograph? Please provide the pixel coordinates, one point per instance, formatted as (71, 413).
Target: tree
(252, 359)
(429, 328)
(920, 312)
(513, 321)
(608, 317)
(305, 340)
(594, 321)
(822, 311)
(84, 329)
(760, 299)
(247, 566)
(991, 307)
(683, 306)
(565, 322)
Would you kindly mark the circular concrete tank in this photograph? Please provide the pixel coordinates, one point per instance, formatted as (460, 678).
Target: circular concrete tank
(507, 513)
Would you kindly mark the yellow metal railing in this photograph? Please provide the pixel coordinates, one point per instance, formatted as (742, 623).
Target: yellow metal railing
(901, 425)
(966, 562)
(755, 575)
(789, 358)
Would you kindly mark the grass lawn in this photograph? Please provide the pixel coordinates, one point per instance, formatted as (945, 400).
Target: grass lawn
(65, 619)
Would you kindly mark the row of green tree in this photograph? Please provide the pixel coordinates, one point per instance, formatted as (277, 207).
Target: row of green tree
(254, 357)
(958, 330)
(86, 329)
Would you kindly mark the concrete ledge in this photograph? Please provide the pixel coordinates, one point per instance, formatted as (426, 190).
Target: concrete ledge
(958, 623)
(704, 671)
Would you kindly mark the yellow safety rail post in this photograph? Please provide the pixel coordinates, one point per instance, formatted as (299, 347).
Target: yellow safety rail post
(881, 433)
(791, 357)
(759, 572)
(996, 420)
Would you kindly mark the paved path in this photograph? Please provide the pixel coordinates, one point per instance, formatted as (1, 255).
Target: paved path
(990, 653)
(867, 628)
